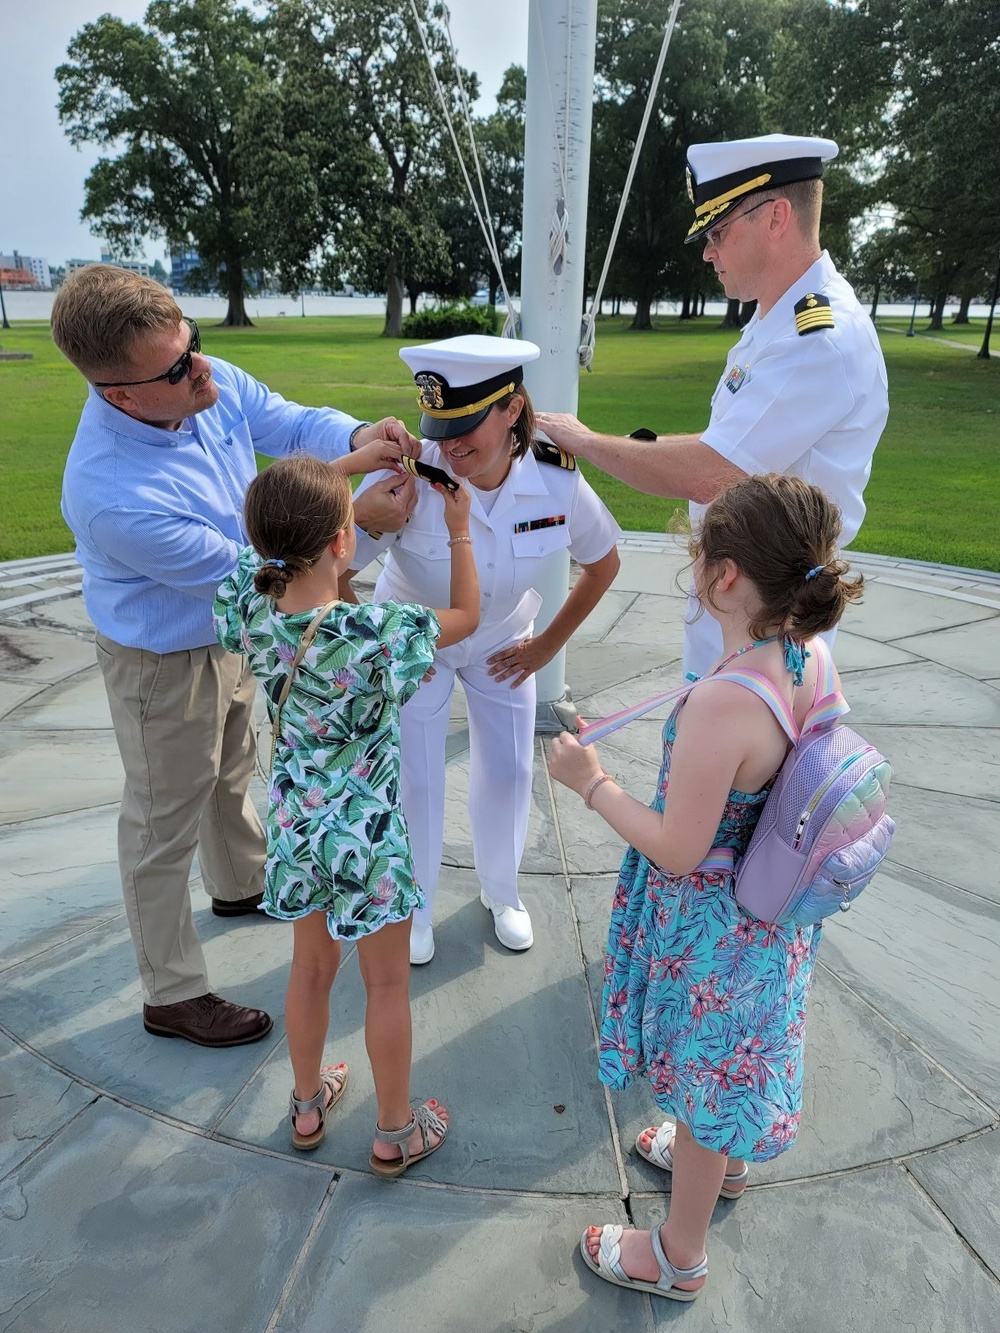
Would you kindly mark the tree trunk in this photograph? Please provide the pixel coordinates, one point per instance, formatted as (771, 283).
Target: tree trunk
(746, 312)
(963, 310)
(413, 295)
(875, 295)
(701, 304)
(937, 311)
(686, 306)
(494, 288)
(732, 318)
(393, 327)
(641, 320)
(236, 312)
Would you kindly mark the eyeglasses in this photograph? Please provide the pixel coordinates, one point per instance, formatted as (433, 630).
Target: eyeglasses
(177, 372)
(713, 236)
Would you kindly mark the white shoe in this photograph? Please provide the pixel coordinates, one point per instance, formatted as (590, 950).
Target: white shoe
(512, 924)
(421, 944)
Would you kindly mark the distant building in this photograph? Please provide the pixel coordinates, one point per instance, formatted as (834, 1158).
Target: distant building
(181, 264)
(37, 271)
(131, 265)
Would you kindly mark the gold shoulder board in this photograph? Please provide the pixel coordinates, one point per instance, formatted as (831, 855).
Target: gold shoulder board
(551, 453)
(813, 312)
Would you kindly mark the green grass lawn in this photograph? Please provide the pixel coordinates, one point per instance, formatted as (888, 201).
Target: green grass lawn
(970, 334)
(934, 492)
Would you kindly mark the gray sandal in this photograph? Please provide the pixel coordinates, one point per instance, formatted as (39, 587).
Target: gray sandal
(424, 1118)
(333, 1081)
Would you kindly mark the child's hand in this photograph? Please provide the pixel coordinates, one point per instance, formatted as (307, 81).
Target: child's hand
(573, 764)
(374, 457)
(456, 510)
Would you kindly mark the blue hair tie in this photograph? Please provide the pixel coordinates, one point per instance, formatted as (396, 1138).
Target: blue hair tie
(813, 572)
(278, 564)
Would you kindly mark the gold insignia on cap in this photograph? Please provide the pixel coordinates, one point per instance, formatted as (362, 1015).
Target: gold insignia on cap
(431, 386)
(813, 312)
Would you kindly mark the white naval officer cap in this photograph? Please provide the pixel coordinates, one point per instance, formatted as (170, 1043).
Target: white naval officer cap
(461, 378)
(721, 175)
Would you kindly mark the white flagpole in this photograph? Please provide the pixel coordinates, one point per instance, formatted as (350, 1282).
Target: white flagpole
(558, 114)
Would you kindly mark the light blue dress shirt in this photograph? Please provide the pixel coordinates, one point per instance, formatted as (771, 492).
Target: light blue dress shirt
(158, 514)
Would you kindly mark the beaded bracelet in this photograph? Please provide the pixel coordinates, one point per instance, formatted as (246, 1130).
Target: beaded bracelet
(593, 785)
(455, 541)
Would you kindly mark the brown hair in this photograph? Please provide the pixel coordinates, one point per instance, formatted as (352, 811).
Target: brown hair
(98, 313)
(293, 511)
(523, 428)
(806, 199)
(777, 530)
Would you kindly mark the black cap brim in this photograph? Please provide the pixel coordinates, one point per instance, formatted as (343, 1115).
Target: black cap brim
(451, 428)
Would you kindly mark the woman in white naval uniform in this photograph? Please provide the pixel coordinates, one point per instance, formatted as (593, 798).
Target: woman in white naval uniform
(478, 426)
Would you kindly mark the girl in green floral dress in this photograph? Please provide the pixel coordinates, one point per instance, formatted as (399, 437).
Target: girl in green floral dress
(338, 853)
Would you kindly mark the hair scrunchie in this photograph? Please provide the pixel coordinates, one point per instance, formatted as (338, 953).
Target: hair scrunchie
(813, 572)
(278, 564)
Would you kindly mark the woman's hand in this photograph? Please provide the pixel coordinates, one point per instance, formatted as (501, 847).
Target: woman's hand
(456, 509)
(386, 505)
(520, 660)
(573, 764)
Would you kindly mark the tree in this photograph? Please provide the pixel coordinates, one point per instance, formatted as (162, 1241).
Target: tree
(367, 54)
(944, 159)
(171, 94)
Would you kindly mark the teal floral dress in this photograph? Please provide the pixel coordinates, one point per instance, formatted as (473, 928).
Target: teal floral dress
(708, 1002)
(336, 838)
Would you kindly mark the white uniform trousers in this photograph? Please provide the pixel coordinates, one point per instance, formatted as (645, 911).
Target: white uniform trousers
(501, 753)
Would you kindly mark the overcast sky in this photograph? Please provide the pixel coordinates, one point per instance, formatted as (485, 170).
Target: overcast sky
(41, 175)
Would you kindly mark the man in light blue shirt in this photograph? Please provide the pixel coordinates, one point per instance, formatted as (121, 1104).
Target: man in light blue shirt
(153, 492)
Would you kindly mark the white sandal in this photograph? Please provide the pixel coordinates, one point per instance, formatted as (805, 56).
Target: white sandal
(424, 1118)
(659, 1154)
(608, 1266)
(333, 1081)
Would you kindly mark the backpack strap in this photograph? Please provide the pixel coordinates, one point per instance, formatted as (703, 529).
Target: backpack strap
(828, 703)
(305, 643)
(765, 689)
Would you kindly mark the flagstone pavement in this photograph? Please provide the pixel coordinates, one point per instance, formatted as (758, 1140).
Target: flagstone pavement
(148, 1186)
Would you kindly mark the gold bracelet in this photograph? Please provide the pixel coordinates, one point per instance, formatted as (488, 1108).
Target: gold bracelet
(456, 540)
(593, 785)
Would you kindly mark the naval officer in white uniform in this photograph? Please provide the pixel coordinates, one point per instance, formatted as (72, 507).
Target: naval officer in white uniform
(528, 501)
(804, 391)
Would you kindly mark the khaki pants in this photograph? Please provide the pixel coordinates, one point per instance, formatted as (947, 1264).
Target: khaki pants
(184, 726)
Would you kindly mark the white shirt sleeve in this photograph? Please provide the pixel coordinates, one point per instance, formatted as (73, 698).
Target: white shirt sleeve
(592, 528)
(797, 392)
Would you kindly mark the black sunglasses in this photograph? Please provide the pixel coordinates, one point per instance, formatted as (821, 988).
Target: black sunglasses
(177, 372)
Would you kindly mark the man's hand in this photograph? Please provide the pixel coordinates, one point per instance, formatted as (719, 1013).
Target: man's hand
(566, 430)
(389, 428)
(386, 505)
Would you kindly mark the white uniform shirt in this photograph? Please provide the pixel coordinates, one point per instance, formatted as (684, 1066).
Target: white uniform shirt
(810, 405)
(509, 553)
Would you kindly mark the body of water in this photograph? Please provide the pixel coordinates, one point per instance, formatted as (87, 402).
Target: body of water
(38, 306)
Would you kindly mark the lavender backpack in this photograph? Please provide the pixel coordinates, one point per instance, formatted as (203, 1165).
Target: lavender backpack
(823, 831)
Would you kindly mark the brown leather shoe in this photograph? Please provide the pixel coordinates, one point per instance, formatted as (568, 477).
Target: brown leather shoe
(207, 1020)
(238, 906)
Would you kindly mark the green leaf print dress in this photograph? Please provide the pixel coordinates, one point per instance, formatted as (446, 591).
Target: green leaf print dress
(336, 838)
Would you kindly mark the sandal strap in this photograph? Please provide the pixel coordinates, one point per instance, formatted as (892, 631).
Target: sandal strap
(396, 1136)
(317, 1103)
(670, 1273)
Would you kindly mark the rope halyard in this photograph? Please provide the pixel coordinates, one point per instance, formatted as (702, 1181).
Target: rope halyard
(589, 329)
(483, 216)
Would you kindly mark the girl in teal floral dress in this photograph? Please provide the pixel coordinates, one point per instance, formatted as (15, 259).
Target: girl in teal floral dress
(338, 854)
(708, 1002)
